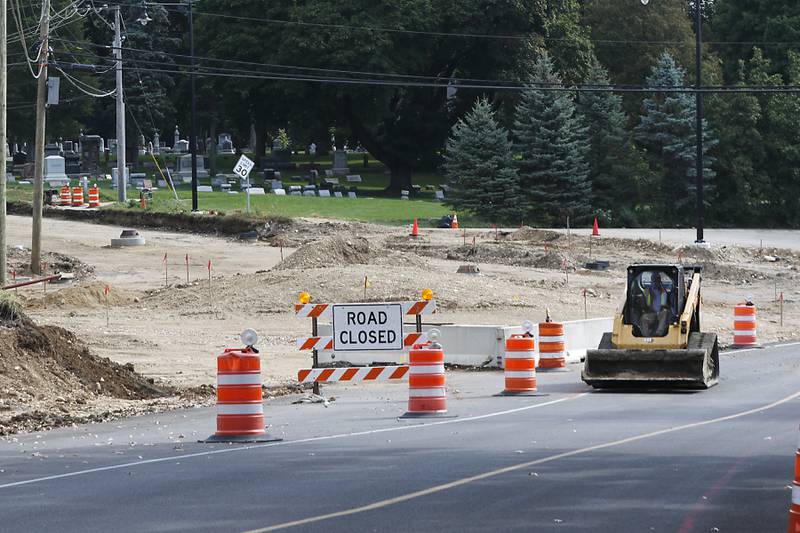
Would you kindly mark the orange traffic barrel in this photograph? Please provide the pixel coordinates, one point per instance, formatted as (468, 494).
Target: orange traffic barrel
(94, 196)
(794, 508)
(427, 396)
(744, 325)
(65, 198)
(77, 197)
(520, 365)
(240, 411)
(552, 351)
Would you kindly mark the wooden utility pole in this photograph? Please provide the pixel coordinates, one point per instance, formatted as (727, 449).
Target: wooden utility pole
(3, 138)
(41, 116)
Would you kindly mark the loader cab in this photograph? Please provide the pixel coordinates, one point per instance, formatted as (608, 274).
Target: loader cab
(655, 298)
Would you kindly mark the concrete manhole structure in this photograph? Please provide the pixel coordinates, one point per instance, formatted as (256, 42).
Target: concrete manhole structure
(128, 237)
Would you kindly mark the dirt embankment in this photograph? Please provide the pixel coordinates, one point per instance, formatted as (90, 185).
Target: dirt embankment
(49, 378)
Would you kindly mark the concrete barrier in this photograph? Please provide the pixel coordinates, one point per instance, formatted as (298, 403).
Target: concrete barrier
(478, 345)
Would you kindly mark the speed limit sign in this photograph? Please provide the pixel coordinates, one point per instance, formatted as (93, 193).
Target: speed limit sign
(243, 167)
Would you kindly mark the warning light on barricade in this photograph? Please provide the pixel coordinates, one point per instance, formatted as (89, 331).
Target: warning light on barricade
(427, 294)
(249, 338)
(434, 335)
(304, 297)
(527, 327)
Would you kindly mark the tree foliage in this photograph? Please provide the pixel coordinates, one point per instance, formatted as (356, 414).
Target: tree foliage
(615, 165)
(552, 142)
(479, 164)
(666, 130)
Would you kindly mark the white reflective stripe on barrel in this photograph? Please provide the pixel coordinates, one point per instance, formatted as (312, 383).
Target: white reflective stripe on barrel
(426, 393)
(520, 355)
(551, 355)
(744, 318)
(415, 369)
(240, 408)
(795, 495)
(520, 373)
(554, 338)
(238, 379)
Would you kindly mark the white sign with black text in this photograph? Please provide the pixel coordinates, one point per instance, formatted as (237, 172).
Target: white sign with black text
(367, 327)
(243, 167)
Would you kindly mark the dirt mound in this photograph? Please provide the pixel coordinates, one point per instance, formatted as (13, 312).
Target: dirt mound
(526, 233)
(330, 251)
(47, 367)
(19, 261)
(550, 259)
(84, 295)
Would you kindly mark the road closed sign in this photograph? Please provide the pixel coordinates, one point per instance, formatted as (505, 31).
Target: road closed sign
(367, 327)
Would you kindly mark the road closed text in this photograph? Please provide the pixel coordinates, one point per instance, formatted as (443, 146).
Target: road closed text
(367, 327)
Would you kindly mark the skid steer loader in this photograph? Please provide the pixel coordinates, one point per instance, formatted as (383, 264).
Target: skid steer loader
(656, 341)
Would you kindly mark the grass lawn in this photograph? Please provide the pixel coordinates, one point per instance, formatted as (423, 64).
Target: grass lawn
(378, 210)
(374, 204)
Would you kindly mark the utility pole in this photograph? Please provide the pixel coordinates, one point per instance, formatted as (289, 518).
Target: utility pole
(122, 182)
(41, 119)
(698, 23)
(193, 132)
(3, 139)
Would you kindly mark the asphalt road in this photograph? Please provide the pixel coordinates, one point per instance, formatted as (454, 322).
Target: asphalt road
(568, 460)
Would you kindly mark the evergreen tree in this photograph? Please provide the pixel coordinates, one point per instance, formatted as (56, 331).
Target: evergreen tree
(741, 157)
(614, 162)
(553, 144)
(781, 130)
(667, 132)
(480, 167)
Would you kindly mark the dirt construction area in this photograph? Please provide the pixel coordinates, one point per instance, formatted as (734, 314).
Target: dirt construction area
(162, 332)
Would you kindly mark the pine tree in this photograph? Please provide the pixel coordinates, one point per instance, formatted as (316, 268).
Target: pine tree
(614, 162)
(480, 167)
(667, 132)
(552, 142)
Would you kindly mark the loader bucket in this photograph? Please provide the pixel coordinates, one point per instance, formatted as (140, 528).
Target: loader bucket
(696, 367)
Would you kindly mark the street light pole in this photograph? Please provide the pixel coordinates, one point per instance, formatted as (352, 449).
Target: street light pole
(122, 183)
(698, 32)
(193, 132)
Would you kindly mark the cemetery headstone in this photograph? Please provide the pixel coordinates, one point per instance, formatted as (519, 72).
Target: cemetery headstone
(340, 163)
(55, 171)
(225, 144)
(183, 169)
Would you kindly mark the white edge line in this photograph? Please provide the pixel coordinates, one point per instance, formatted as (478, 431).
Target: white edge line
(282, 443)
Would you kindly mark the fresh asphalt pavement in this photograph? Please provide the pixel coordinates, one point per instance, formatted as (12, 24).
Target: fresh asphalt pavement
(570, 459)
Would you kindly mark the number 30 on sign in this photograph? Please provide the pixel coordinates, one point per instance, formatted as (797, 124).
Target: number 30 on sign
(243, 167)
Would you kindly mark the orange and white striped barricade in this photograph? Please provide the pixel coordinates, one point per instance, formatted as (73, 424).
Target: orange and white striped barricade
(520, 365)
(240, 411)
(794, 508)
(353, 374)
(65, 198)
(94, 196)
(744, 325)
(77, 197)
(324, 343)
(552, 350)
(427, 395)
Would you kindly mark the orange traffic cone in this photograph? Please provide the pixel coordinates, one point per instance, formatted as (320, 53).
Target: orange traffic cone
(454, 223)
(415, 229)
(595, 229)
